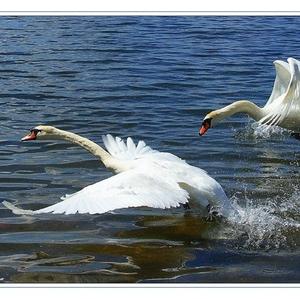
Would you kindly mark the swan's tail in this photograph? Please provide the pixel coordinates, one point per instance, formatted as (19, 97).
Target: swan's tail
(17, 210)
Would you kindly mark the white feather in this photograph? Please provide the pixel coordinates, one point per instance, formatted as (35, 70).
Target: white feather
(133, 188)
(129, 151)
(282, 80)
(283, 107)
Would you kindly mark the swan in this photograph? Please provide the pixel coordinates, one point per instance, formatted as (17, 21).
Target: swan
(143, 177)
(282, 108)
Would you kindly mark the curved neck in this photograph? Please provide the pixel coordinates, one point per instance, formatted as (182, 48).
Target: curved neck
(87, 144)
(242, 106)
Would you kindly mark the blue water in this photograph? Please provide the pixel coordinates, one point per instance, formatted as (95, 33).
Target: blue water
(152, 78)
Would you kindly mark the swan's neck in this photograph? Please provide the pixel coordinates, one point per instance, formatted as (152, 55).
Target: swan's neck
(242, 106)
(90, 146)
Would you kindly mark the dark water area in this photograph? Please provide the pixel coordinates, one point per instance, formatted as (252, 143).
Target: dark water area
(151, 78)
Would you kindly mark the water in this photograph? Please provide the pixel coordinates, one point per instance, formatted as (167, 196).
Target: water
(152, 78)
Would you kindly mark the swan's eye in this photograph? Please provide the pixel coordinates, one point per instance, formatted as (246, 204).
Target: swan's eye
(206, 124)
(35, 131)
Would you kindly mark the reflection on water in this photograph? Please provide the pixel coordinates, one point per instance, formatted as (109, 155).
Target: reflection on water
(152, 78)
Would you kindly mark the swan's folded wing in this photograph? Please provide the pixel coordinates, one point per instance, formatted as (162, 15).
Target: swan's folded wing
(132, 188)
(288, 102)
(282, 80)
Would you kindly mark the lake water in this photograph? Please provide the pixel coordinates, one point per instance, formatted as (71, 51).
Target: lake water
(152, 78)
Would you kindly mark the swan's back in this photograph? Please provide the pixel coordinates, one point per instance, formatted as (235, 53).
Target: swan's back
(141, 153)
(201, 187)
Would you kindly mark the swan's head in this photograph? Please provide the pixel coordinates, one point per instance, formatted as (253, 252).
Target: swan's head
(206, 124)
(210, 120)
(40, 132)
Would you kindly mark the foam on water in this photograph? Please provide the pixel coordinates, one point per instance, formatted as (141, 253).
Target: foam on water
(271, 225)
(256, 132)
(274, 222)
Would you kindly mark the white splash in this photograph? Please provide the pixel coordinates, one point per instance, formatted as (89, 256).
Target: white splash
(257, 132)
(267, 226)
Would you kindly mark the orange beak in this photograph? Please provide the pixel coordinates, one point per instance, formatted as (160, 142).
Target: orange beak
(205, 126)
(30, 136)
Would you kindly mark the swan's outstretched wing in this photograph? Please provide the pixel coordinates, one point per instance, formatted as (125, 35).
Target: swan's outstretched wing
(287, 104)
(133, 188)
(282, 80)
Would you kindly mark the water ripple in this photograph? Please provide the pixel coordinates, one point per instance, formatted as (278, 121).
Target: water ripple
(152, 78)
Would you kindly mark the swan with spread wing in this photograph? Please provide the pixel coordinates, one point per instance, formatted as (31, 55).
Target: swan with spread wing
(282, 108)
(143, 177)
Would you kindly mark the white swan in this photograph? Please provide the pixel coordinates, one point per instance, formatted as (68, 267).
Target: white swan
(282, 109)
(145, 177)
